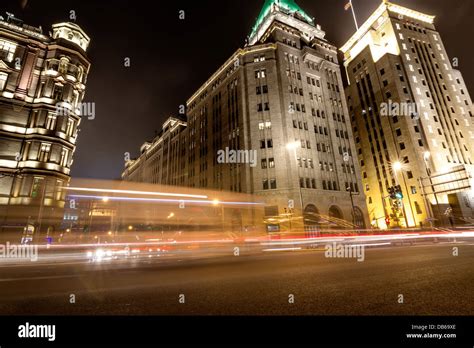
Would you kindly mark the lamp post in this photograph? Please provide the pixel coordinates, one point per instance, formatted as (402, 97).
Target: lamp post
(349, 189)
(397, 167)
(293, 146)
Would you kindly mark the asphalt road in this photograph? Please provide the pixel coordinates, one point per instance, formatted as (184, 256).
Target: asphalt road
(431, 280)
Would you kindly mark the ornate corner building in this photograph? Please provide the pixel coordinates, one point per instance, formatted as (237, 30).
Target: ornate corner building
(280, 98)
(42, 84)
(412, 120)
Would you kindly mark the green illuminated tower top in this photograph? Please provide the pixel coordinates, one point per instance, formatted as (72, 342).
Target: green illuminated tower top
(287, 12)
(289, 5)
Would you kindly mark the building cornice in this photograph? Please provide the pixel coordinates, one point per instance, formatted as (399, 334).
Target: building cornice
(384, 7)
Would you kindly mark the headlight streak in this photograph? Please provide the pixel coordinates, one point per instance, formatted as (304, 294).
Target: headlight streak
(144, 193)
(162, 200)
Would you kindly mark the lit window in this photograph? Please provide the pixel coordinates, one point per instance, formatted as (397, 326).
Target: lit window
(7, 50)
(271, 163)
(260, 74)
(70, 127)
(51, 121)
(43, 155)
(64, 157)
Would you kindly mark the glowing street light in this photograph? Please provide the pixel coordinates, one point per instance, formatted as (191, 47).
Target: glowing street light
(397, 166)
(292, 146)
(215, 202)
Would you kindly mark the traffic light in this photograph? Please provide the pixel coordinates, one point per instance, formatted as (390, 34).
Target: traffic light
(387, 221)
(398, 192)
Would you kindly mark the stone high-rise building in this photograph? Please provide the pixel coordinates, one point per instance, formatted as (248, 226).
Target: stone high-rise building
(412, 120)
(42, 84)
(279, 103)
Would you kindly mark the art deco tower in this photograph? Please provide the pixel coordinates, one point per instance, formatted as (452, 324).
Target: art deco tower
(282, 97)
(412, 120)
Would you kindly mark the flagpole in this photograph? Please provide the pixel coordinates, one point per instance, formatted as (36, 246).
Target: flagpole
(354, 15)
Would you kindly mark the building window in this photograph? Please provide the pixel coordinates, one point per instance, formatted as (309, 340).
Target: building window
(70, 127)
(57, 92)
(64, 157)
(264, 163)
(265, 184)
(273, 184)
(43, 155)
(36, 187)
(7, 50)
(51, 121)
(417, 208)
(260, 74)
(271, 163)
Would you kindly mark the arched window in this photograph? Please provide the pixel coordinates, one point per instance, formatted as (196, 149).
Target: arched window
(359, 218)
(63, 64)
(311, 215)
(335, 212)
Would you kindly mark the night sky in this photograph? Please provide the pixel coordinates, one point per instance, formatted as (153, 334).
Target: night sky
(171, 58)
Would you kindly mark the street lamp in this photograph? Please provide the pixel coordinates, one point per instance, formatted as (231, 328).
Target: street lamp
(397, 167)
(349, 189)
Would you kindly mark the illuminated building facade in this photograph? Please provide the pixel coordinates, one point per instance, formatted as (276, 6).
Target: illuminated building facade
(162, 160)
(412, 120)
(279, 103)
(42, 84)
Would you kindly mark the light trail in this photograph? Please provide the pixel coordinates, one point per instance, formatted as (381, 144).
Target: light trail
(144, 193)
(162, 200)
